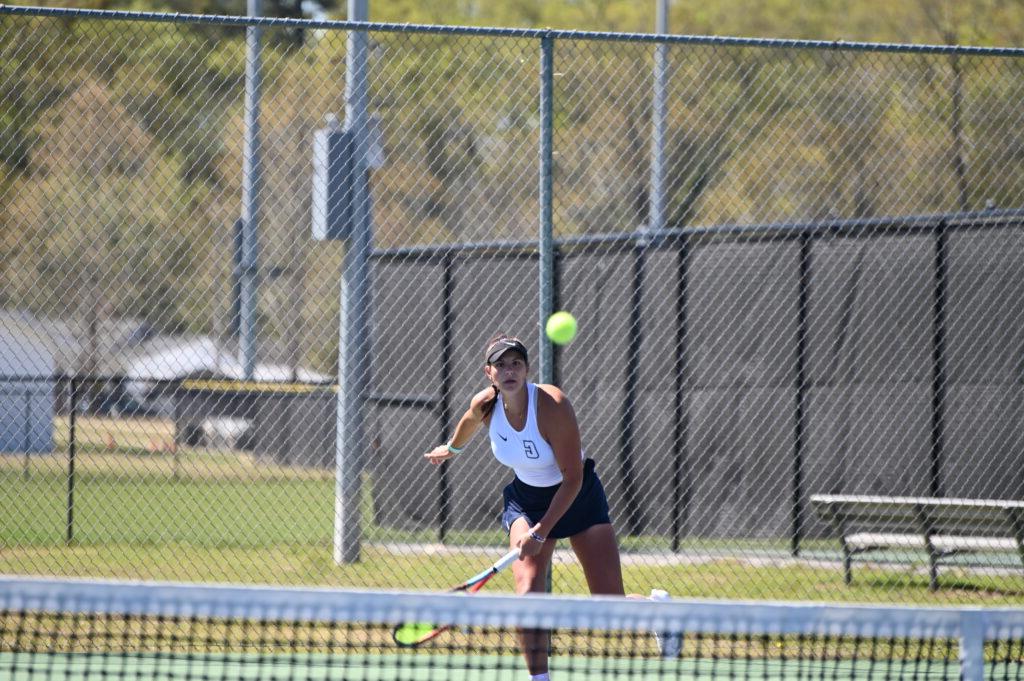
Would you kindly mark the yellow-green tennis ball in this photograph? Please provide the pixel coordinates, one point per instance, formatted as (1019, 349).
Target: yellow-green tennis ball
(561, 327)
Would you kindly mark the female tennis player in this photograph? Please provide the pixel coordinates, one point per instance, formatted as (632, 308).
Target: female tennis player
(555, 494)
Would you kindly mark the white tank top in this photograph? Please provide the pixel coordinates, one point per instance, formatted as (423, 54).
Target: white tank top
(525, 451)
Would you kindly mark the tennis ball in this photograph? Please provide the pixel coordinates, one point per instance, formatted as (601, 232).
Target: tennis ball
(561, 327)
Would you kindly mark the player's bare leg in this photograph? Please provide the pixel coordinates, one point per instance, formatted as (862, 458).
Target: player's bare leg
(597, 550)
(531, 577)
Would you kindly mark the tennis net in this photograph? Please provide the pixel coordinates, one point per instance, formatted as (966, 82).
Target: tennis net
(74, 630)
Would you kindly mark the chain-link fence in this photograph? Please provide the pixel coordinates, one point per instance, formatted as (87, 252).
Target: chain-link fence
(796, 269)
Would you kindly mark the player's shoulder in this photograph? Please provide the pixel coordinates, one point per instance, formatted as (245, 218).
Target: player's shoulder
(482, 397)
(478, 404)
(553, 408)
(554, 394)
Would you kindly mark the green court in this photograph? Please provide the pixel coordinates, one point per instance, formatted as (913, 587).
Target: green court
(438, 667)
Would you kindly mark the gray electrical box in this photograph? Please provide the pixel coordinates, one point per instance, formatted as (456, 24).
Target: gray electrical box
(333, 166)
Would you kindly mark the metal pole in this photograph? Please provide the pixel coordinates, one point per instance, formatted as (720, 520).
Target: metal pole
(27, 431)
(69, 522)
(252, 180)
(547, 251)
(354, 349)
(546, 236)
(444, 410)
(627, 444)
(938, 431)
(681, 480)
(658, 113)
(800, 407)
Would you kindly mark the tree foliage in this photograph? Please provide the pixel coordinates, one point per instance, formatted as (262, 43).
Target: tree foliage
(121, 143)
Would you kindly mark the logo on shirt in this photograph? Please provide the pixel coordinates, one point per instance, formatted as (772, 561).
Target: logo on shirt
(504, 439)
(530, 450)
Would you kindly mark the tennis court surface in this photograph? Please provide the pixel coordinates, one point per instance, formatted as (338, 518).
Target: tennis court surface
(74, 630)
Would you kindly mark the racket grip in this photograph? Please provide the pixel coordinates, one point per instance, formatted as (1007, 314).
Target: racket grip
(506, 560)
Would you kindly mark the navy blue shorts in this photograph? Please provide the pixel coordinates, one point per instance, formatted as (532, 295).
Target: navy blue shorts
(588, 509)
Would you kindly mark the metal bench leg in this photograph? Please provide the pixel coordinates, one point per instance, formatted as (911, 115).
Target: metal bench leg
(1017, 521)
(839, 523)
(928, 529)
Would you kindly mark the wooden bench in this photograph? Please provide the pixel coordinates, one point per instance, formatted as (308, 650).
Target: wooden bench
(939, 526)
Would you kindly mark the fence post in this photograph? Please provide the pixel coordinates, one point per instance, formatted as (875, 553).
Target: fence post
(938, 361)
(26, 431)
(252, 191)
(800, 411)
(69, 524)
(634, 514)
(681, 491)
(443, 411)
(546, 237)
(658, 118)
(354, 345)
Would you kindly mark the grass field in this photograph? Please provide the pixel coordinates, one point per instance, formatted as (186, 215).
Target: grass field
(146, 511)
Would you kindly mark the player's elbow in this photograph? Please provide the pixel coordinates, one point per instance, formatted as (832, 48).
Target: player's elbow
(572, 479)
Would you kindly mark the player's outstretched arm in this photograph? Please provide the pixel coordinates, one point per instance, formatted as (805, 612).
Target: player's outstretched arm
(470, 422)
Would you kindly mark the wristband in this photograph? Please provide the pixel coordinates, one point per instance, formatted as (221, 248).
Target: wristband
(455, 450)
(536, 537)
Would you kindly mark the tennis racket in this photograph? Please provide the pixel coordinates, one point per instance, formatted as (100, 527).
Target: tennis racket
(412, 634)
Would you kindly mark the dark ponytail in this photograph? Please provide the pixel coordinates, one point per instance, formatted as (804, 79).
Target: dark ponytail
(488, 406)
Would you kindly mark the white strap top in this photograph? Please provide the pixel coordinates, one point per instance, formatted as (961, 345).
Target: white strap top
(525, 451)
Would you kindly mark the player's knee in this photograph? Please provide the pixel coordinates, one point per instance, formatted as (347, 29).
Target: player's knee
(529, 584)
(529, 579)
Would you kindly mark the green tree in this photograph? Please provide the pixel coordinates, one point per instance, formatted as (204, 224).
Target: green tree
(105, 221)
